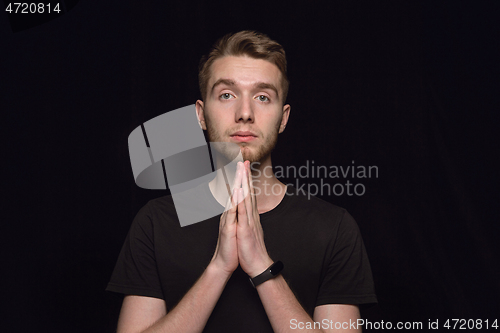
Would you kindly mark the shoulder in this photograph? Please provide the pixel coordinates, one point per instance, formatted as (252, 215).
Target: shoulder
(163, 203)
(155, 211)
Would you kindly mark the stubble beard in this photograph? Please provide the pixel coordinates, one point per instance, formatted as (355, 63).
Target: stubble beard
(258, 154)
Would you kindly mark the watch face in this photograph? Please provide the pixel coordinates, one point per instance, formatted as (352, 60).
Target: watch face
(276, 268)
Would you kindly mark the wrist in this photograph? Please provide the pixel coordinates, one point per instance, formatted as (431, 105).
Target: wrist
(260, 268)
(214, 269)
(270, 273)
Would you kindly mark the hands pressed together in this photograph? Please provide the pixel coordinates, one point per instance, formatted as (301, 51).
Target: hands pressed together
(241, 239)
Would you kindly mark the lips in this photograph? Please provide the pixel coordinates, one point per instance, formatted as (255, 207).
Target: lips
(243, 133)
(243, 136)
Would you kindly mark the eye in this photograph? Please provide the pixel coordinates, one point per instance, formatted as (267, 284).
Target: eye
(226, 96)
(263, 98)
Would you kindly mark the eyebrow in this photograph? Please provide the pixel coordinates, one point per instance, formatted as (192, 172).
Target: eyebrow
(260, 85)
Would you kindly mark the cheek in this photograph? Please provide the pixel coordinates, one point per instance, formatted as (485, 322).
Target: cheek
(216, 124)
(218, 115)
(276, 122)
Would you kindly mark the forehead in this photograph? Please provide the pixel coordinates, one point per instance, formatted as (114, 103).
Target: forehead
(245, 70)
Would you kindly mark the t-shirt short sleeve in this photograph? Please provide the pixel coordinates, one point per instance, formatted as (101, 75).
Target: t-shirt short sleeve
(136, 272)
(347, 277)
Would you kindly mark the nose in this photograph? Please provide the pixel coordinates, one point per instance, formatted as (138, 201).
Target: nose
(244, 112)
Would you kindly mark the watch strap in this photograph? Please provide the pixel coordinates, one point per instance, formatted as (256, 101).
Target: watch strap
(268, 274)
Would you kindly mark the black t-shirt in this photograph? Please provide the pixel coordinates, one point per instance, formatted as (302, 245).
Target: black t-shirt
(320, 245)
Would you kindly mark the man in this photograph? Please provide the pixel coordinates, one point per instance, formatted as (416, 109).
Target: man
(306, 258)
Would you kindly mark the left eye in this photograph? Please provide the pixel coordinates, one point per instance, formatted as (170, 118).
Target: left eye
(263, 98)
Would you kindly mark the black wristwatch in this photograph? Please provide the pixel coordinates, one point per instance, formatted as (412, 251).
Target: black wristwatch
(268, 274)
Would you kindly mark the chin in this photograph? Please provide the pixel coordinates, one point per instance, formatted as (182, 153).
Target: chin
(252, 156)
(247, 155)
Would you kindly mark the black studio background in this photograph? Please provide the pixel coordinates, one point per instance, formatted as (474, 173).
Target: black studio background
(406, 86)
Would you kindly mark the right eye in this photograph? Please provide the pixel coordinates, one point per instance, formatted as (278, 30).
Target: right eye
(226, 96)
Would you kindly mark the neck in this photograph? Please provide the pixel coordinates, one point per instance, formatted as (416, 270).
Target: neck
(269, 191)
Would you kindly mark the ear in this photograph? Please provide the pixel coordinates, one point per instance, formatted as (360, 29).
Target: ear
(284, 117)
(200, 113)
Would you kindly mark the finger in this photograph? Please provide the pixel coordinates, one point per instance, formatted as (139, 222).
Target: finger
(230, 198)
(246, 192)
(238, 178)
(252, 190)
(242, 212)
(230, 211)
(228, 202)
(231, 215)
(244, 182)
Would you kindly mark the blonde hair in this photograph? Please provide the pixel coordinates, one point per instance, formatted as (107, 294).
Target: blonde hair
(244, 43)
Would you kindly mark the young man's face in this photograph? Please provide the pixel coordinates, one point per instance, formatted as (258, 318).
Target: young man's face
(243, 105)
